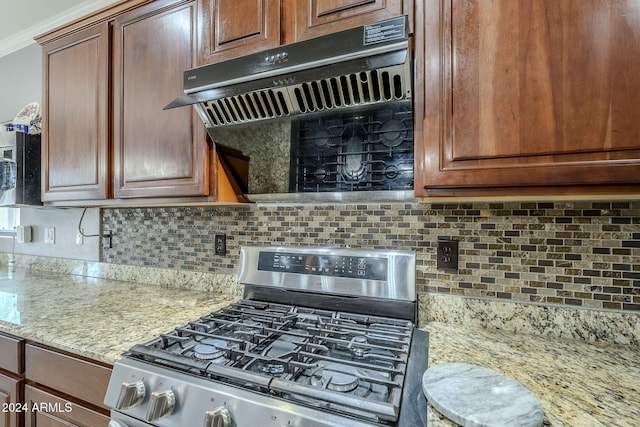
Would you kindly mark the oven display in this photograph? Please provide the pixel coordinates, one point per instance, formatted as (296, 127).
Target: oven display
(369, 268)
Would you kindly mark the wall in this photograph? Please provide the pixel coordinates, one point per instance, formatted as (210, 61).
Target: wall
(570, 254)
(20, 80)
(65, 223)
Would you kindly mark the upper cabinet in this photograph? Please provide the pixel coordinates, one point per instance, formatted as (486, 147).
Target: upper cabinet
(156, 152)
(527, 97)
(106, 136)
(306, 19)
(229, 29)
(75, 109)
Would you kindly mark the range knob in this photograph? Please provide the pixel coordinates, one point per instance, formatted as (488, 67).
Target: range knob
(217, 417)
(131, 394)
(161, 405)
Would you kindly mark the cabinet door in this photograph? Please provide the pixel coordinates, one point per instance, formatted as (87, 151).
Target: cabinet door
(539, 96)
(49, 410)
(229, 29)
(313, 18)
(75, 130)
(157, 152)
(10, 395)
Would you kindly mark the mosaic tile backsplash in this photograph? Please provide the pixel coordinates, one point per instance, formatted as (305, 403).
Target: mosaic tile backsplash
(569, 254)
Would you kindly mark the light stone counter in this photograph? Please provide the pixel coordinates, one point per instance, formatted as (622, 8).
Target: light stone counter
(96, 318)
(577, 383)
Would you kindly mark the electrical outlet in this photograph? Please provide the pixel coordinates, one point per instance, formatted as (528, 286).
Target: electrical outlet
(79, 237)
(106, 240)
(447, 255)
(49, 234)
(220, 244)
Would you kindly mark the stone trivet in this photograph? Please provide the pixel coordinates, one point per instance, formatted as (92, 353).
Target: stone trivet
(476, 396)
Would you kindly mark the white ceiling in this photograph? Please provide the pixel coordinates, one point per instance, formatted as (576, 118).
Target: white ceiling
(21, 21)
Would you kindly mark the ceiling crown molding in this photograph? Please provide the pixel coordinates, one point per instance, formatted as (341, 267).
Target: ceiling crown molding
(25, 37)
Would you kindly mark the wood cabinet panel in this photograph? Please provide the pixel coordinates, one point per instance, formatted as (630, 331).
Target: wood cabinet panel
(10, 395)
(11, 354)
(86, 380)
(313, 18)
(527, 94)
(58, 412)
(229, 29)
(75, 131)
(156, 152)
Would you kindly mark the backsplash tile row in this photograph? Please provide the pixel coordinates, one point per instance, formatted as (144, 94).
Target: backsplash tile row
(567, 253)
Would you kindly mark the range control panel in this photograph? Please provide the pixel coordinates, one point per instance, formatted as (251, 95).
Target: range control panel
(355, 267)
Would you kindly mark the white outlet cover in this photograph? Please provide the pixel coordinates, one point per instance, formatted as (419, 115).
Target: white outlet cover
(50, 235)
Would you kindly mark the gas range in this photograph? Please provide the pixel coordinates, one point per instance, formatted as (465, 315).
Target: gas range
(323, 337)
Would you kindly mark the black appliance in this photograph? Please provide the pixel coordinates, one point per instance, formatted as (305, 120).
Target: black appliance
(20, 169)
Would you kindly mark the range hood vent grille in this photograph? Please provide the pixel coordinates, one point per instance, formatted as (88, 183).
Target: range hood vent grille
(350, 90)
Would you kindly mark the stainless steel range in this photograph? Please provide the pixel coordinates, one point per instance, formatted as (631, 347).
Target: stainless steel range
(323, 337)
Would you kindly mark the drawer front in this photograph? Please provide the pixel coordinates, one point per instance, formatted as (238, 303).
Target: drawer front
(46, 409)
(11, 351)
(76, 377)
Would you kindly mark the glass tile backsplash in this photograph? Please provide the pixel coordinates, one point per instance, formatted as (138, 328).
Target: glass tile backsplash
(571, 253)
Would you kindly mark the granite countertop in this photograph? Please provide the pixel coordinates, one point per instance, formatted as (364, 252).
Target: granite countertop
(96, 318)
(577, 383)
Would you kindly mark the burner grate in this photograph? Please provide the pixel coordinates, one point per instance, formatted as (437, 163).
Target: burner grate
(317, 357)
(363, 150)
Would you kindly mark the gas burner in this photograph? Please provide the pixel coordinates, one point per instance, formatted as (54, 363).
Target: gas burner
(321, 138)
(211, 349)
(391, 172)
(320, 174)
(335, 377)
(357, 350)
(354, 166)
(393, 132)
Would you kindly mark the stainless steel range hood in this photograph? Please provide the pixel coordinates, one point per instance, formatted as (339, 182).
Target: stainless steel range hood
(356, 67)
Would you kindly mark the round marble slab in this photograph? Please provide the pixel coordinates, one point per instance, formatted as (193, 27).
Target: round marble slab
(476, 396)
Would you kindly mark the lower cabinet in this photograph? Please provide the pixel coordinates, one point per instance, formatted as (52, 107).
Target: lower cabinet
(11, 414)
(49, 410)
(64, 390)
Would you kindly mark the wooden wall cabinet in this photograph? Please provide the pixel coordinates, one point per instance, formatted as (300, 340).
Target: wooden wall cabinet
(229, 29)
(232, 29)
(106, 138)
(527, 97)
(75, 155)
(157, 153)
(306, 19)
